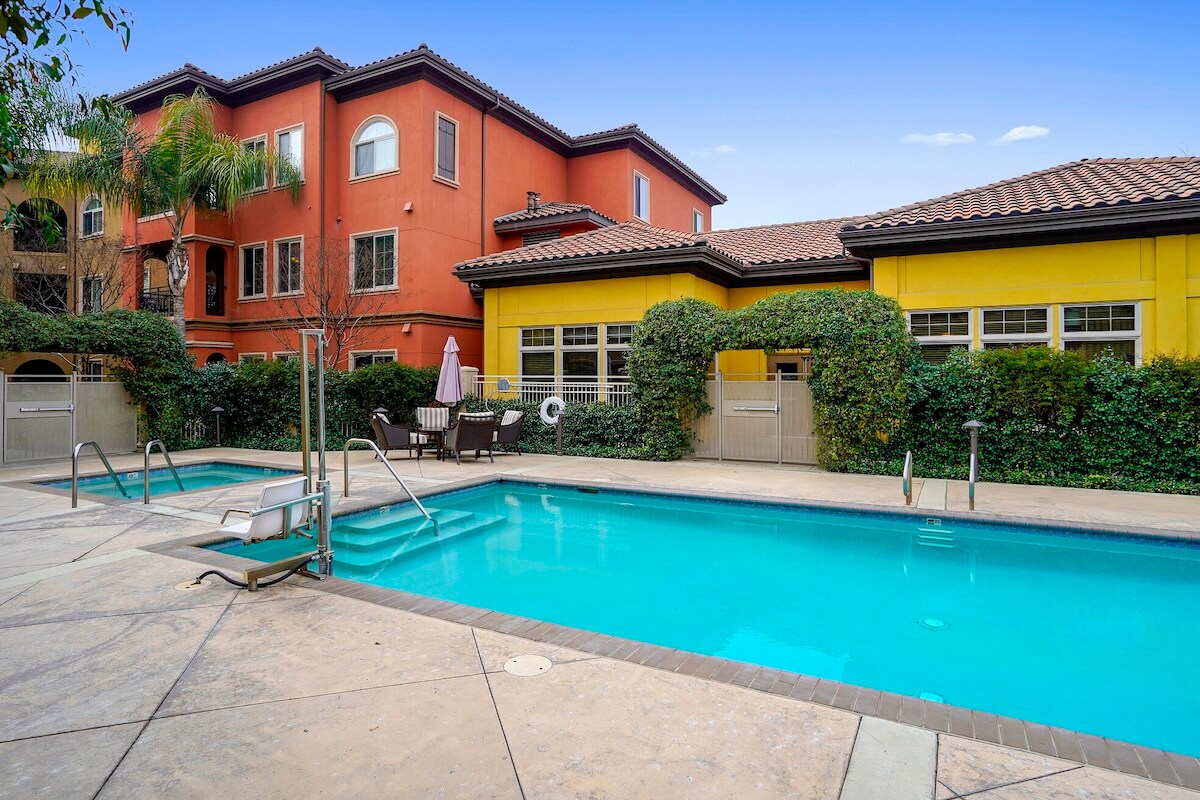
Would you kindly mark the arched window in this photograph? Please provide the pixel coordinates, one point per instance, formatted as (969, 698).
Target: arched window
(92, 223)
(41, 227)
(374, 148)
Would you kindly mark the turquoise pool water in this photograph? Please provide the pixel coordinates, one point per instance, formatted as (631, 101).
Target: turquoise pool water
(1087, 632)
(194, 476)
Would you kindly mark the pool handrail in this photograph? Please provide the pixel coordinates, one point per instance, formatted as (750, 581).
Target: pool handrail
(75, 472)
(378, 452)
(972, 476)
(907, 478)
(146, 469)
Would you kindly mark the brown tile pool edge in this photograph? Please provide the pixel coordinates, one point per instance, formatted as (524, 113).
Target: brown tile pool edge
(1110, 754)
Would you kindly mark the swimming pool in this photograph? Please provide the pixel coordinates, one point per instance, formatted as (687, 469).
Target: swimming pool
(1093, 633)
(193, 476)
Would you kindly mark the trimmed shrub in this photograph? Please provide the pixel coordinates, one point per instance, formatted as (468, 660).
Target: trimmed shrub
(600, 430)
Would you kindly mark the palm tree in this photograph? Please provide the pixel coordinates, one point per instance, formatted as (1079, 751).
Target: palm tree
(184, 166)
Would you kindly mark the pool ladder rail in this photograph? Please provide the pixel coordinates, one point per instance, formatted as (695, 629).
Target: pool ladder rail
(379, 454)
(146, 469)
(75, 471)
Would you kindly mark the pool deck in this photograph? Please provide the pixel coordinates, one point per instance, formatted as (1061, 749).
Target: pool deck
(114, 683)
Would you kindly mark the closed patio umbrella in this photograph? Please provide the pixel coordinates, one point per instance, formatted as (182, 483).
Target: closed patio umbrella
(449, 388)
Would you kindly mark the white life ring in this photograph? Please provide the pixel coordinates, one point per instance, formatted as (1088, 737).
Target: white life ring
(551, 410)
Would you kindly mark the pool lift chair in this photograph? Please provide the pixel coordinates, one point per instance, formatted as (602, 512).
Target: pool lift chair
(286, 507)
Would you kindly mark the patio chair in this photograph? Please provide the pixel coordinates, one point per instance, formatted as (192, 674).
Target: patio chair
(271, 524)
(470, 432)
(433, 419)
(508, 432)
(390, 436)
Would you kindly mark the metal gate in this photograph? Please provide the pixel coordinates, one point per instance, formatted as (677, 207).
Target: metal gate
(43, 416)
(760, 417)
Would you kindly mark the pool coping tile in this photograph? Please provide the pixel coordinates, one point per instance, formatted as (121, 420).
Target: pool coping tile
(1154, 764)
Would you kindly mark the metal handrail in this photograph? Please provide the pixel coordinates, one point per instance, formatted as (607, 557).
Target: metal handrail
(75, 472)
(146, 469)
(973, 476)
(383, 458)
(907, 478)
(284, 506)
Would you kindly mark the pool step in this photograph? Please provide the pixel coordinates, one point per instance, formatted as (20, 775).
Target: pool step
(368, 532)
(932, 537)
(410, 540)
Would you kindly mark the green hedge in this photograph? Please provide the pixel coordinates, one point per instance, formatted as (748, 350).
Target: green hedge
(590, 429)
(1052, 418)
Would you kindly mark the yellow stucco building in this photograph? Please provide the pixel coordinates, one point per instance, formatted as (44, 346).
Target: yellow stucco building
(1089, 256)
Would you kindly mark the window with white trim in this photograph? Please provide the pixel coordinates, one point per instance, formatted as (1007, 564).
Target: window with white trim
(641, 197)
(244, 357)
(1099, 328)
(446, 159)
(617, 341)
(580, 353)
(374, 261)
(253, 283)
(1015, 327)
(940, 332)
(697, 221)
(289, 146)
(537, 353)
(359, 360)
(92, 221)
(375, 148)
(91, 294)
(286, 355)
(257, 145)
(93, 370)
(289, 266)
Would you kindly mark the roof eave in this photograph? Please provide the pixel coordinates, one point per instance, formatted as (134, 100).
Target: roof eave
(701, 261)
(635, 140)
(566, 218)
(1056, 224)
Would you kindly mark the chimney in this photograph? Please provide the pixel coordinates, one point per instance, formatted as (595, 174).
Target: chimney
(532, 201)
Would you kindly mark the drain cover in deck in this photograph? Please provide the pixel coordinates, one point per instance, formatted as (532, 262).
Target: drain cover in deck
(527, 666)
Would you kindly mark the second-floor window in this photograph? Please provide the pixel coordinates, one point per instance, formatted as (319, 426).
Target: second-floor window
(289, 146)
(375, 148)
(258, 145)
(697, 221)
(641, 197)
(92, 222)
(91, 294)
(374, 257)
(446, 167)
(289, 267)
(254, 272)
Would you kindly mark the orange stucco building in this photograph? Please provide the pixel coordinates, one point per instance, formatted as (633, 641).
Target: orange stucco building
(410, 166)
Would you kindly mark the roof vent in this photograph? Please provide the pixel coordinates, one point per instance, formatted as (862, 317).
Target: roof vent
(700, 241)
(532, 201)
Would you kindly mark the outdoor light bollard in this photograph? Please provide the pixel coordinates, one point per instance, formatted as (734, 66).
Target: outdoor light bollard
(217, 411)
(974, 426)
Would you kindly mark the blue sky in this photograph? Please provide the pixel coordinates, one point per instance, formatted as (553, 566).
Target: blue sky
(794, 110)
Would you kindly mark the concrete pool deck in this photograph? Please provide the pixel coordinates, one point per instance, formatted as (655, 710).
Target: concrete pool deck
(116, 684)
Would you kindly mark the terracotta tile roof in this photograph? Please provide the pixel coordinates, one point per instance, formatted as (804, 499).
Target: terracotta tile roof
(767, 244)
(1086, 184)
(782, 244)
(546, 210)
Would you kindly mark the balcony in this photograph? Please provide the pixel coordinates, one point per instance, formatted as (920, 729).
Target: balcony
(159, 301)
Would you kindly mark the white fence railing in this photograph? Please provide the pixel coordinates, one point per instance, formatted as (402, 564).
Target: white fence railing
(535, 389)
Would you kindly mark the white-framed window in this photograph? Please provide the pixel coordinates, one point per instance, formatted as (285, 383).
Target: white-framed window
(244, 357)
(91, 221)
(289, 266)
(641, 197)
(1015, 327)
(258, 145)
(252, 272)
(1094, 328)
(358, 360)
(697, 221)
(580, 353)
(940, 332)
(91, 294)
(537, 352)
(289, 146)
(445, 164)
(373, 261)
(93, 370)
(617, 341)
(375, 148)
(285, 355)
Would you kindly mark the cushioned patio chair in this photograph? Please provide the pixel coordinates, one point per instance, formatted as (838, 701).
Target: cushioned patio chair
(389, 436)
(271, 524)
(470, 432)
(508, 432)
(433, 419)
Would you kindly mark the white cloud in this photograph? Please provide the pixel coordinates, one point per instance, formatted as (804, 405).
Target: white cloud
(724, 148)
(1023, 132)
(938, 139)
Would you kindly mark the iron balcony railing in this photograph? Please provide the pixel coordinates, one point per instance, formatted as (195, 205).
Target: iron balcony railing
(536, 388)
(159, 301)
